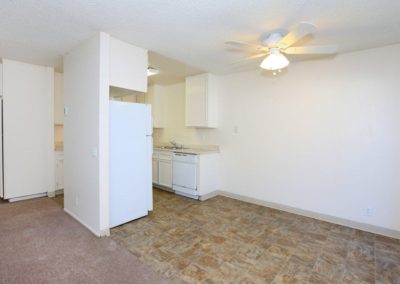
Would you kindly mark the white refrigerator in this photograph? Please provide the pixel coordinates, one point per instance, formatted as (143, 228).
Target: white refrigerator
(131, 149)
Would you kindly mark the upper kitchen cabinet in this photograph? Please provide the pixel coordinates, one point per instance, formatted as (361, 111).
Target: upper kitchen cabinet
(58, 98)
(201, 109)
(128, 66)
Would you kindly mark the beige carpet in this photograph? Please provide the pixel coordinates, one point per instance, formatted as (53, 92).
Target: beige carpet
(39, 243)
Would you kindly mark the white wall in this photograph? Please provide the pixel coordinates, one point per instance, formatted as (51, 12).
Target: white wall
(128, 66)
(324, 137)
(28, 129)
(86, 90)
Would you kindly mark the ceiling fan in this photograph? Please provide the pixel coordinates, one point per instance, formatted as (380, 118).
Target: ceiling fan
(275, 45)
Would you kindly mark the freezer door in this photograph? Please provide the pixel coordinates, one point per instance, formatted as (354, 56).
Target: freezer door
(130, 162)
(149, 171)
(149, 152)
(149, 120)
(1, 150)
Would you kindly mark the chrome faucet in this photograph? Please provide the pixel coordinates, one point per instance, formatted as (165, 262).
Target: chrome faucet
(176, 145)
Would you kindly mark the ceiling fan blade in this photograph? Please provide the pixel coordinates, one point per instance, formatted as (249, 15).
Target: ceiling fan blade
(255, 56)
(316, 49)
(243, 44)
(296, 34)
(249, 58)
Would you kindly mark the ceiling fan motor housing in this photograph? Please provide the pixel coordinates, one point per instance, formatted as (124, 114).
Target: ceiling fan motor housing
(272, 39)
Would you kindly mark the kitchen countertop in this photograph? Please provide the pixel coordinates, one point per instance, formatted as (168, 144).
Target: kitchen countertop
(59, 146)
(197, 151)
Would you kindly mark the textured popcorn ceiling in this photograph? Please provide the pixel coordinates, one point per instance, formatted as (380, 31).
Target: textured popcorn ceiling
(191, 31)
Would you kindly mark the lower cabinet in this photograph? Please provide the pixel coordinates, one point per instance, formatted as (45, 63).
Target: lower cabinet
(165, 173)
(206, 179)
(59, 171)
(155, 168)
(162, 169)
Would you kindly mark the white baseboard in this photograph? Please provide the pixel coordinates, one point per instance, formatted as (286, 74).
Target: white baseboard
(15, 199)
(163, 187)
(105, 233)
(55, 193)
(209, 195)
(97, 234)
(323, 217)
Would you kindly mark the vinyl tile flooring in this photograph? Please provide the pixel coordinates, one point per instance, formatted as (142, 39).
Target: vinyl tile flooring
(59, 199)
(223, 240)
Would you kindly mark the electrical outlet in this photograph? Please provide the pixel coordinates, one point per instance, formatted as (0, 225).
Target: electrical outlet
(76, 201)
(236, 129)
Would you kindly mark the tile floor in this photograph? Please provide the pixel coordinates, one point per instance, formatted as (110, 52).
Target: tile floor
(222, 240)
(59, 199)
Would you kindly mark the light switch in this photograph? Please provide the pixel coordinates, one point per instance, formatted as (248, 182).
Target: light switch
(66, 111)
(94, 152)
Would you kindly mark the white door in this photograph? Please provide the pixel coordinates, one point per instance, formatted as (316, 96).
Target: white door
(28, 127)
(130, 170)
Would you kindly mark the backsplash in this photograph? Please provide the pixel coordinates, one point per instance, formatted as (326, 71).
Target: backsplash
(59, 136)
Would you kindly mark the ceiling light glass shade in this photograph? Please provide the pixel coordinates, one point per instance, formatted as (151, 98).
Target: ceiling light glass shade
(274, 61)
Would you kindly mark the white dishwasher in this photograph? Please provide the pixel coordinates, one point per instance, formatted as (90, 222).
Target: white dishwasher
(184, 177)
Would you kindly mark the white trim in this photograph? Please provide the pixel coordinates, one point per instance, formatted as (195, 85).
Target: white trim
(165, 188)
(83, 223)
(105, 233)
(188, 195)
(27, 197)
(209, 195)
(55, 193)
(103, 118)
(328, 218)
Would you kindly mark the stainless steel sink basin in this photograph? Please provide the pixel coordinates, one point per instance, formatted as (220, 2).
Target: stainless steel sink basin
(172, 148)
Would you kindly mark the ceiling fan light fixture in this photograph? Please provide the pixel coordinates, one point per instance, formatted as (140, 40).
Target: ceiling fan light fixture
(274, 61)
(152, 71)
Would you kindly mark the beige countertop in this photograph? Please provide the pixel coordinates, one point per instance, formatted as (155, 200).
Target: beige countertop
(197, 151)
(59, 146)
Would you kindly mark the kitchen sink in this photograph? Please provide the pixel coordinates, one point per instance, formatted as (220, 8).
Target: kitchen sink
(172, 148)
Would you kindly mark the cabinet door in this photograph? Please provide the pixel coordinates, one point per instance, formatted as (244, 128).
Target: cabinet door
(196, 100)
(155, 170)
(59, 174)
(165, 173)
